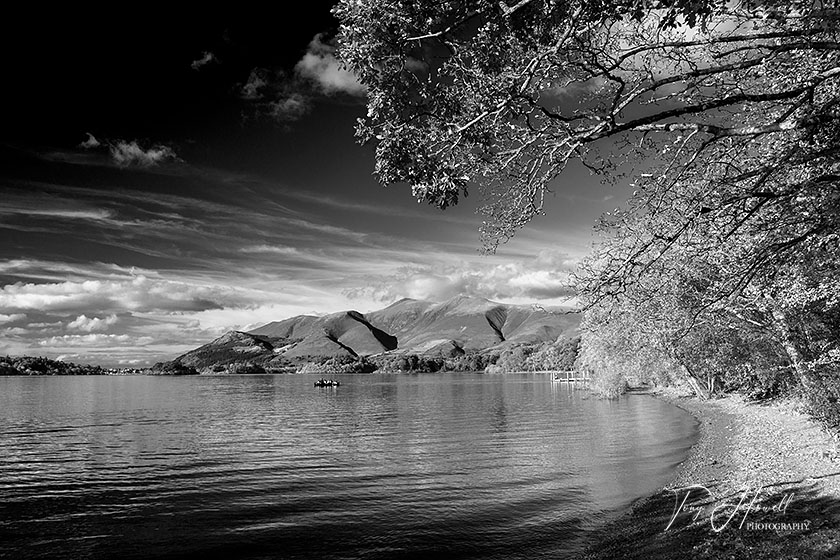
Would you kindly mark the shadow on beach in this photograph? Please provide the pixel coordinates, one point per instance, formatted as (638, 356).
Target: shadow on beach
(783, 520)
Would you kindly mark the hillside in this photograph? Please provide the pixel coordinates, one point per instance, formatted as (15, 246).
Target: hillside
(472, 324)
(233, 351)
(462, 324)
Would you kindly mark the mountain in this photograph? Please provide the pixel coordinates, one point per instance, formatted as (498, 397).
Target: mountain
(462, 324)
(470, 323)
(230, 351)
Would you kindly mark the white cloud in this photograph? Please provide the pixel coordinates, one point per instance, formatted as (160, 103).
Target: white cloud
(545, 279)
(320, 65)
(127, 153)
(96, 214)
(132, 362)
(275, 249)
(288, 98)
(138, 293)
(56, 270)
(94, 340)
(288, 108)
(206, 58)
(90, 142)
(11, 318)
(45, 325)
(91, 324)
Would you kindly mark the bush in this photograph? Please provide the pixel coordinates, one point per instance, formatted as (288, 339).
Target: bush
(608, 383)
(760, 383)
(245, 367)
(412, 363)
(340, 364)
(467, 362)
(172, 368)
(822, 398)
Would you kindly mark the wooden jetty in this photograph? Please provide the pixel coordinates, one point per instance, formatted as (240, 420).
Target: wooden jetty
(569, 376)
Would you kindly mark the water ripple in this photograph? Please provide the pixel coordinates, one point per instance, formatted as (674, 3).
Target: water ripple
(465, 466)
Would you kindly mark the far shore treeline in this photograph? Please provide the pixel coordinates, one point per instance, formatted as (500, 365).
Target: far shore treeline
(559, 355)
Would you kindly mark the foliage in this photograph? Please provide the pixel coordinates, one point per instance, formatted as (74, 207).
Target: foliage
(609, 385)
(245, 368)
(409, 363)
(172, 368)
(514, 358)
(505, 94)
(471, 361)
(340, 364)
(559, 355)
(27, 365)
(823, 397)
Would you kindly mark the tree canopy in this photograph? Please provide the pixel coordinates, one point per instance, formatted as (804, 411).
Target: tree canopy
(500, 95)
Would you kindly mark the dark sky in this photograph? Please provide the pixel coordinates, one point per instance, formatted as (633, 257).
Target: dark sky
(165, 178)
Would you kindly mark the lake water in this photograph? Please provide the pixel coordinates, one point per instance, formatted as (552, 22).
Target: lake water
(384, 466)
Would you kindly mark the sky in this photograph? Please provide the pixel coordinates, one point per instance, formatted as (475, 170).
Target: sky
(166, 179)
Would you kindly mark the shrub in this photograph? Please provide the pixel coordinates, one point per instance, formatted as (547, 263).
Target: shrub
(822, 398)
(759, 383)
(340, 364)
(608, 383)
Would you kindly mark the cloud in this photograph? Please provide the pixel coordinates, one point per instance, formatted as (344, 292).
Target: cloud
(11, 318)
(206, 58)
(45, 270)
(275, 249)
(132, 362)
(122, 152)
(90, 142)
(546, 277)
(94, 340)
(95, 214)
(286, 98)
(257, 85)
(275, 95)
(83, 323)
(138, 293)
(45, 325)
(320, 66)
(290, 108)
(126, 153)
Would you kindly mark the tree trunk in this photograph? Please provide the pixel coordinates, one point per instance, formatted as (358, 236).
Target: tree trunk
(788, 342)
(695, 383)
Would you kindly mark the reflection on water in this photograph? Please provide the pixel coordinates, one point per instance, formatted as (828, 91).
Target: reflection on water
(465, 465)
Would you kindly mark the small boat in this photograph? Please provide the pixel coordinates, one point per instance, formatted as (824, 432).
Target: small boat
(327, 383)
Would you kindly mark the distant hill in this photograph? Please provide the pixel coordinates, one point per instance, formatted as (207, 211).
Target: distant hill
(462, 324)
(29, 365)
(233, 352)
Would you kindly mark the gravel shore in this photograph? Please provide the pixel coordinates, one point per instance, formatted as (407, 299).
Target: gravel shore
(763, 481)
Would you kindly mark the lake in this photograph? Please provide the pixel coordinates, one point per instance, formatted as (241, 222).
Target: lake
(384, 466)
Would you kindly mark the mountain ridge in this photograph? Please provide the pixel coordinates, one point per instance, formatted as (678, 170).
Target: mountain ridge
(462, 324)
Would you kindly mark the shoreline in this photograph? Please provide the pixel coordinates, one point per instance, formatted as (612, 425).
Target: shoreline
(762, 481)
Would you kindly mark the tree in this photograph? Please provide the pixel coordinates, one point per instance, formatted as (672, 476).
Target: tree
(501, 95)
